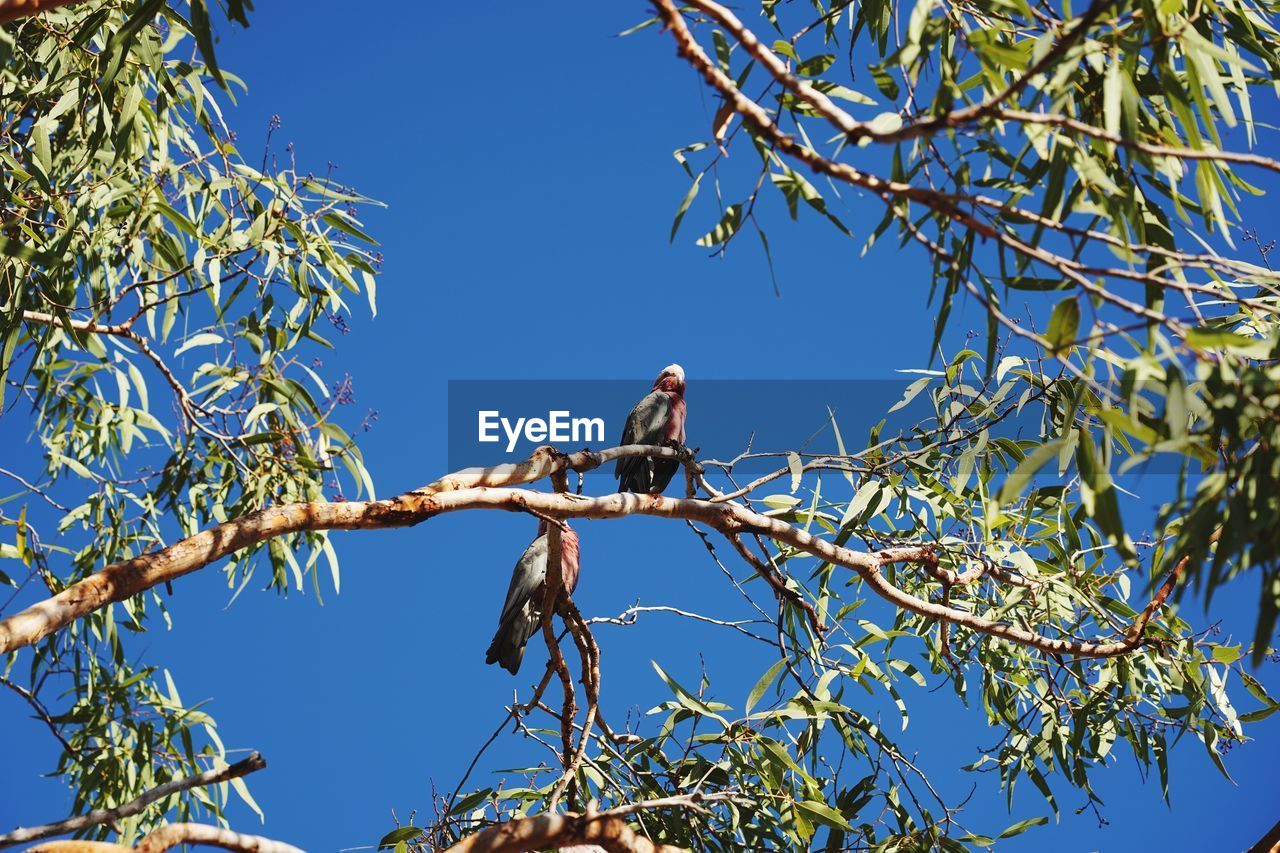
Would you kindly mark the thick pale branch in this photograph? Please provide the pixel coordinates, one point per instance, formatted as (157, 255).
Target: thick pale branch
(135, 806)
(1269, 843)
(122, 580)
(175, 835)
(43, 319)
(605, 830)
(11, 10)
(546, 461)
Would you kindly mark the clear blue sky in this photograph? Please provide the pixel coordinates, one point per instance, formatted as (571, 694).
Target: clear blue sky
(524, 154)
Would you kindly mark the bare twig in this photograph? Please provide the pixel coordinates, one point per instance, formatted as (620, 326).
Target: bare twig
(628, 617)
(590, 655)
(35, 489)
(43, 714)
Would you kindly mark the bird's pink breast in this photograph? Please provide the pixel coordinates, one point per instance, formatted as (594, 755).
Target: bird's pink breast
(674, 428)
(569, 559)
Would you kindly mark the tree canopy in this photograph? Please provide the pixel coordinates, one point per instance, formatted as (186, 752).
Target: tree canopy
(166, 308)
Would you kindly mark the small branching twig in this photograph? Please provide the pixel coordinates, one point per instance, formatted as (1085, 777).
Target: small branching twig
(136, 806)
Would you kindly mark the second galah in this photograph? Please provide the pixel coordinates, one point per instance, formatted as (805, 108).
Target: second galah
(522, 611)
(658, 419)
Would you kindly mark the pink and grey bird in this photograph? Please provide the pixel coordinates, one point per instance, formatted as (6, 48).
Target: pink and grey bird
(522, 611)
(658, 419)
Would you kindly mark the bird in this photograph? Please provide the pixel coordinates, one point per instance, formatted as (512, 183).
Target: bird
(656, 419)
(522, 610)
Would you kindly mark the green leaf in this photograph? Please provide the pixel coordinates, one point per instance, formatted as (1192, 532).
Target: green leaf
(823, 814)
(202, 29)
(1016, 483)
(348, 226)
(884, 81)
(202, 339)
(762, 685)
(728, 226)
(1098, 495)
(1022, 826)
(466, 804)
(693, 703)
(796, 467)
(23, 252)
(785, 48)
(242, 789)
(1226, 654)
(1063, 324)
(815, 65)
(1219, 339)
(684, 205)
(395, 836)
(1258, 715)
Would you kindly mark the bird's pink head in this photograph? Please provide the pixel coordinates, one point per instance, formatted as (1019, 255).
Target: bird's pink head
(670, 379)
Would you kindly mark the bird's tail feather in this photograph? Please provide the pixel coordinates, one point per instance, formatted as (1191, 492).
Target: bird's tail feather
(634, 474)
(507, 648)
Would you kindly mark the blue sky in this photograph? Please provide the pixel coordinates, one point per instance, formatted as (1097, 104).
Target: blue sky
(525, 161)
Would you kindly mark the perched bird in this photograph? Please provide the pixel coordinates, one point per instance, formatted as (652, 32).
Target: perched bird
(657, 419)
(522, 612)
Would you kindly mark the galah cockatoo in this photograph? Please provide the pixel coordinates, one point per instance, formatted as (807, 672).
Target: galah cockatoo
(522, 612)
(657, 419)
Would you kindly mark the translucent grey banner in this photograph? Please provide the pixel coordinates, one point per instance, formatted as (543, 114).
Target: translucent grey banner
(495, 421)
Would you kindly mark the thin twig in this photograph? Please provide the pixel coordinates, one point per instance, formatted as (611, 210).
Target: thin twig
(137, 805)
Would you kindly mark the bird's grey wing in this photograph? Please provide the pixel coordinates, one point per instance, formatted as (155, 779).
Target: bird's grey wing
(645, 423)
(529, 573)
(644, 426)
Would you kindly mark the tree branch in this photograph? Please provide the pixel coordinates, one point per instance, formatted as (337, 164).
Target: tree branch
(135, 806)
(990, 108)
(43, 714)
(552, 595)
(631, 614)
(589, 653)
(189, 407)
(130, 577)
(176, 834)
(607, 830)
(173, 835)
(1269, 843)
(11, 10)
(945, 205)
